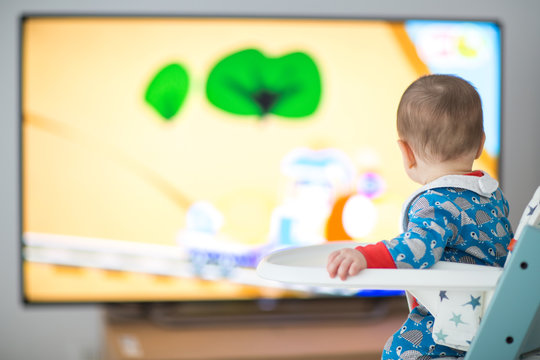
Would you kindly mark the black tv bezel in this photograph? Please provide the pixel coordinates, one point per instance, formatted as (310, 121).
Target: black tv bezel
(317, 302)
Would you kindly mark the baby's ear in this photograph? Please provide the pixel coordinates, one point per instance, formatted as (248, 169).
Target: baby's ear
(409, 159)
(481, 147)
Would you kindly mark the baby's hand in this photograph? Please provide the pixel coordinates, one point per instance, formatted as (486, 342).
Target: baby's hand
(345, 262)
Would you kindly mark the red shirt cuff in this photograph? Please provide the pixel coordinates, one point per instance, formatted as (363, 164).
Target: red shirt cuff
(476, 173)
(377, 256)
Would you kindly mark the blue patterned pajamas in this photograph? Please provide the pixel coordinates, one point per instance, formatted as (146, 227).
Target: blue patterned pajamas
(457, 218)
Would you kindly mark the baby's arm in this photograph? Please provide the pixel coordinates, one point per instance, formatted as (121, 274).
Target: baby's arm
(421, 246)
(345, 262)
(433, 221)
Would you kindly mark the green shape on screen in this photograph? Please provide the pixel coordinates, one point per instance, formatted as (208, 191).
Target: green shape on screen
(167, 90)
(249, 83)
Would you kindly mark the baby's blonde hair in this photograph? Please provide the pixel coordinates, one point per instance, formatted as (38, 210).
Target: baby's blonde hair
(440, 117)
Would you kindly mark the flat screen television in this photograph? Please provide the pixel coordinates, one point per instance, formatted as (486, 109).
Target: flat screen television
(162, 157)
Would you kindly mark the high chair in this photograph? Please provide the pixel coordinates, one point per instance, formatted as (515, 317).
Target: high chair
(510, 318)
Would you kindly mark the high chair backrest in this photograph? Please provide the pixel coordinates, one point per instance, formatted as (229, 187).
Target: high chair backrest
(510, 328)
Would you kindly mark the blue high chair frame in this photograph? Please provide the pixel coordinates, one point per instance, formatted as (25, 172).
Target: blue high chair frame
(510, 327)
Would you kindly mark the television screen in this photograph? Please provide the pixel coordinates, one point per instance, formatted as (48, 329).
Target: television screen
(162, 157)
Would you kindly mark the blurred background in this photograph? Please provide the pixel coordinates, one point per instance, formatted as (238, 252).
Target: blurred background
(76, 331)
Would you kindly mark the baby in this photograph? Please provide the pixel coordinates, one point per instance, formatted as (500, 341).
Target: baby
(458, 214)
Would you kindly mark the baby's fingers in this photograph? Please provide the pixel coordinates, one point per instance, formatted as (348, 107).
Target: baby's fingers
(355, 268)
(333, 255)
(333, 263)
(344, 266)
(332, 268)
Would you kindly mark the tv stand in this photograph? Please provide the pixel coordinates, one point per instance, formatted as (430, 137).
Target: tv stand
(267, 336)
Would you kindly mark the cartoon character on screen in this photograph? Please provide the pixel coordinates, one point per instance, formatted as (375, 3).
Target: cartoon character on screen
(458, 215)
(314, 178)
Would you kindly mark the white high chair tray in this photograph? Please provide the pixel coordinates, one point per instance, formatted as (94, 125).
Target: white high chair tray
(307, 266)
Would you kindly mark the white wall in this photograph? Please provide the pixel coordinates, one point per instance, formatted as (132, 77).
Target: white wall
(74, 332)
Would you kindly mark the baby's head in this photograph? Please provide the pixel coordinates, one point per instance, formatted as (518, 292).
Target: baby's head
(440, 117)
